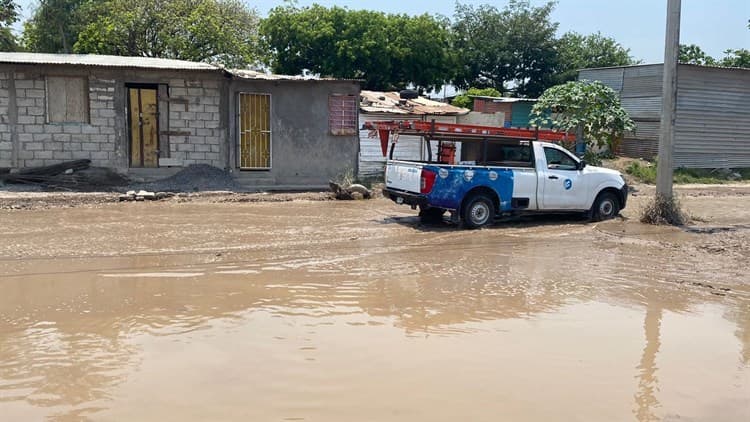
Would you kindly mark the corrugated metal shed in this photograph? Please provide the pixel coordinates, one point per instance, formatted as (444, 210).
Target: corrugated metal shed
(713, 112)
(104, 61)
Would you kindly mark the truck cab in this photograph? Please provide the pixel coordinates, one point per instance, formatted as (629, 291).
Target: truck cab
(500, 175)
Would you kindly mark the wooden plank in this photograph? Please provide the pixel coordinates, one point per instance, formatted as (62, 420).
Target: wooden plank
(149, 116)
(135, 128)
(164, 132)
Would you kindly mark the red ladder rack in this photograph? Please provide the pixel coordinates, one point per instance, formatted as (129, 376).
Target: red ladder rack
(459, 132)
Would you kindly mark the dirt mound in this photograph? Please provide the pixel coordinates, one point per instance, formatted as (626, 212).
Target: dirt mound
(196, 177)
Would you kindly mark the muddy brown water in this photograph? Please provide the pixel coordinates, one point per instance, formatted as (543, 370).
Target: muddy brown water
(326, 311)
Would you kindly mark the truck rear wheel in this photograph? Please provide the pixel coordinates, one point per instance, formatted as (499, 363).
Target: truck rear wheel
(478, 211)
(605, 207)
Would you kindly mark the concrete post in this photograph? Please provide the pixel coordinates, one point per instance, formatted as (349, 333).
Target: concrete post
(669, 101)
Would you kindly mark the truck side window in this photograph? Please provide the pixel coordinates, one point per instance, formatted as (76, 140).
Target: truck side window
(509, 155)
(558, 160)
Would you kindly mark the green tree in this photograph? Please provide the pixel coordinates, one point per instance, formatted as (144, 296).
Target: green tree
(736, 58)
(8, 16)
(54, 26)
(591, 105)
(513, 48)
(214, 31)
(465, 100)
(576, 51)
(387, 51)
(693, 54)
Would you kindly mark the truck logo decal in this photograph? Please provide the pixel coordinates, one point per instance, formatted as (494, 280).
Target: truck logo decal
(443, 173)
(493, 176)
(468, 175)
(568, 184)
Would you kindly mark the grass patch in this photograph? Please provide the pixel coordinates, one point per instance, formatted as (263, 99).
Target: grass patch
(645, 172)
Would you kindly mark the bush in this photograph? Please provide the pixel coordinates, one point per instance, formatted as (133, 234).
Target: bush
(646, 173)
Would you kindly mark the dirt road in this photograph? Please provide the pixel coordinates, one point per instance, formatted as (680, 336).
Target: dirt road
(216, 309)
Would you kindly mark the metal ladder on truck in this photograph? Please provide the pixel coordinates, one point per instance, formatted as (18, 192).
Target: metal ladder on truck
(446, 133)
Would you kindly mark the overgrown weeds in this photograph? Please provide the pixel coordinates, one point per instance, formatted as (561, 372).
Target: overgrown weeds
(645, 172)
(664, 210)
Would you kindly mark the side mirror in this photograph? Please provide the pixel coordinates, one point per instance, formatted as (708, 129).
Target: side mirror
(581, 164)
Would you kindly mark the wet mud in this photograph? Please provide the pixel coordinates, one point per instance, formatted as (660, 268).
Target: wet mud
(341, 311)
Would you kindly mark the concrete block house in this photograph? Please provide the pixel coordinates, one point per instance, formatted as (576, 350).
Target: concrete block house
(150, 117)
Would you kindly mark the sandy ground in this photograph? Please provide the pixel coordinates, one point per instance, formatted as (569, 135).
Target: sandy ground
(220, 306)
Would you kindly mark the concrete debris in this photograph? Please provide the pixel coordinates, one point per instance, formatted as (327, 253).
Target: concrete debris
(351, 192)
(143, 195)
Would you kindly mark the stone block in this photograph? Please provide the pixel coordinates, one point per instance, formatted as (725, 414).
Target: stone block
(26, 120)
(33, 146)
(88, 129)
(177, 82)
(34, 93)
(24, 83)
(61, 137)
(100, 155)
(104, 112)
(72, 128)
(32, 129)
(197, 123)
(41, 137)
(62, 155)
(23, 102)
(203, 148)
(90, 146)
(26, 137)
(185, 147)
(53, 128)
(196, 156)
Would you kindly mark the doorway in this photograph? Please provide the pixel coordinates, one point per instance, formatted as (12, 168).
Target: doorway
(143, 122)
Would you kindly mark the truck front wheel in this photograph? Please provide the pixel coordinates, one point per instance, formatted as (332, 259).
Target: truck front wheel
(478, 211)
(605, 207)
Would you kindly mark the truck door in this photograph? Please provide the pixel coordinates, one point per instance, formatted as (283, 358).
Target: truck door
(562, 185)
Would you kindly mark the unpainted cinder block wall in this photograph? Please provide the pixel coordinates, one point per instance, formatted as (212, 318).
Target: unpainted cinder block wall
(194, 127)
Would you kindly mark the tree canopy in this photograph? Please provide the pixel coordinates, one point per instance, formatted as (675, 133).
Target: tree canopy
(54, 26)
(578, 51)
(504, 49)
(591, 105)
(386, 50)
(8, 16)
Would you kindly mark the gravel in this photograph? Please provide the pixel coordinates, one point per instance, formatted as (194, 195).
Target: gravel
(196, 177)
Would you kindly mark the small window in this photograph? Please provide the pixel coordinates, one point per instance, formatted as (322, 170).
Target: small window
(342, 114)
(558, 160)
(67, 100)
(509, 155)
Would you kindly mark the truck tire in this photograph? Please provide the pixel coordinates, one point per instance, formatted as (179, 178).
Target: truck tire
(431, 215)
(605, 207)
(478, 211)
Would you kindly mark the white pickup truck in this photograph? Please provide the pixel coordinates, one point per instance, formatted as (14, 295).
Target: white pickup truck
(499, 177)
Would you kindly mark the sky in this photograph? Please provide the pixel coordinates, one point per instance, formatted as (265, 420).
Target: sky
(714, 25)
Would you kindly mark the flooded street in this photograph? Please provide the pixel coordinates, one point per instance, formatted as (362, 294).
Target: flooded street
(353, 311)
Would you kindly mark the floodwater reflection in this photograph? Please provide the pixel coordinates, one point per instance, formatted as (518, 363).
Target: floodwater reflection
(406, 336)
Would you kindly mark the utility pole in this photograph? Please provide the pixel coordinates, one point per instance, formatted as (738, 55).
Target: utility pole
(664, 171)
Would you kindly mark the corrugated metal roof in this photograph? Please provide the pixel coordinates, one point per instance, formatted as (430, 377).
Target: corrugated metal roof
(391, 103)
(252, 74)
(104, 61)
(744, 69)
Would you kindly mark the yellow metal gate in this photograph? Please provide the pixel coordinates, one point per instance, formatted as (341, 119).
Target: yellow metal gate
(255, 131)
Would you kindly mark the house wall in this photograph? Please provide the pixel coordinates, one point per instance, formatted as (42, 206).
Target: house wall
(192, 128)
(304, 152)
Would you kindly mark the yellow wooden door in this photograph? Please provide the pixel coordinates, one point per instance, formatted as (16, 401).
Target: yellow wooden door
(144, 127)
(255, 131)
